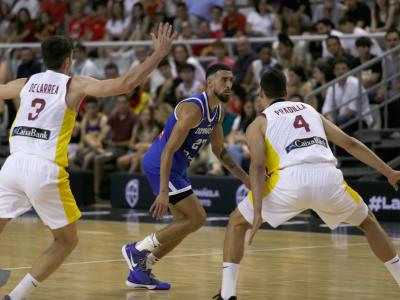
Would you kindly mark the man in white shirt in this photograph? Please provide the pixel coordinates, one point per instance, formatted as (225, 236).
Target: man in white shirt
(82, 65)
(342, 103)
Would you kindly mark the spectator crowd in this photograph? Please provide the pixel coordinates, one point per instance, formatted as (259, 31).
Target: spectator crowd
(113, 133)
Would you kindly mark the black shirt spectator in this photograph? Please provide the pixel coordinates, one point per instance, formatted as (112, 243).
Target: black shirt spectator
(29, 64)
(358, 12)
(245, 58)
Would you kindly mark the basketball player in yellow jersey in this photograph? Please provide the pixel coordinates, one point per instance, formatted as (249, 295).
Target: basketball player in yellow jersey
(290, 140)
(34, 174)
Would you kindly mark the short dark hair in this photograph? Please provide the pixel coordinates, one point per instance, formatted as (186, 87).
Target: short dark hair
(392, 30)
(264, 45)
(299, 71)
(111, 65)
(326, 22)
(163, 63)
(186, 67)
(215, 68)
(55, 50)
(341, 60)
(333, 37)
(285, 40)
(273, 83)
(80, 47)
(363, 42)
(345, 20)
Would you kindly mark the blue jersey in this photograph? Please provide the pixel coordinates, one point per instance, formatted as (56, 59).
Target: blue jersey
(195, 139)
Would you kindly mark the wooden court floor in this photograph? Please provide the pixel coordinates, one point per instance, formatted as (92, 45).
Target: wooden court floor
(281, 265)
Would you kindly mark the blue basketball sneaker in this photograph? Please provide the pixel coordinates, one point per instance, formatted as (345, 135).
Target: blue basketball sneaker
(135, 259)
(145, 279)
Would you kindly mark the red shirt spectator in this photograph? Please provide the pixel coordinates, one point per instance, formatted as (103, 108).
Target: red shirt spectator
(57, 10)
(77, 24)
(121, 124)
(96, 26)
(234, 22)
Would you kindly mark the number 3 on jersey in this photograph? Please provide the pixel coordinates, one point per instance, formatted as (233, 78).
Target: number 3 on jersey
(39, 105)
(299, 122)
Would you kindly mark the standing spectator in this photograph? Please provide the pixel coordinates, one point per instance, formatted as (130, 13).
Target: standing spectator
(57, 10)
(264, 62)
(220, 51)
(234, 23)
(216, 29)
(182, 16)
(245, 57)
(329, 9)
(45, 27)
(82, 65)
(143, 134)
(31, 5)
(78, 22)
(344, 104)
(358, 12)
(93, 133)
(385, 15)
(264, 21)
(347, 26)
(181, 56)
(107, 104)
(29, 64)
(373, 74)
(189, 85)
(120, 125)
(201, 9)
(96, 25)
(23, 30)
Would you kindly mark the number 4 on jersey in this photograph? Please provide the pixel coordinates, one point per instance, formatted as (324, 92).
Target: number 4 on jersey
(299, 122)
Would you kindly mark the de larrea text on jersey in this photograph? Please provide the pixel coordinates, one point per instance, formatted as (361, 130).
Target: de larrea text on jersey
(43, 88)
(290, 109)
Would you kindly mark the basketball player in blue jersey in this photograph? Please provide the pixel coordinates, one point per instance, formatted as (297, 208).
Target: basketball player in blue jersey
(194, 121)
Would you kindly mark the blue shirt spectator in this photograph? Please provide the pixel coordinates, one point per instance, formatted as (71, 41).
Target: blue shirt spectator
(201, 9)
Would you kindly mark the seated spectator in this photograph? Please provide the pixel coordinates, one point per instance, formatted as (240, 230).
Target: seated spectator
(180, 54)
(357, 12)
(220, 51)
(117, 25)
(373, 74)
(385, 15)
(107, 104)
(201, 9)
(182, 15)
(139, 23)
(236, 140)
(347, 26)
(203, 32)
(216, 29)
(329, 9)
(295, 13)
(336, 50)
(245, 58)
(32, 6)
(93, 134)
(321, 75)
(186, 33)
(166, 91)
(298, 83)
(239, 96)
(96, 25)
(29, 64)
(24, 29)
(286, 55)
(264, 21)
(120, 125)
(143, 134)
(57, 11)
(343, 104)
(44, 27)
(189, 85)
(77, 22)
(82, 65)
(325, 26)
(162, 113)
(259, 66)
(234, 23)
(392, 65)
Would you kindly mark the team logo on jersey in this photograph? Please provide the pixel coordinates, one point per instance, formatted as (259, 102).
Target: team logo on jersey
(132, 192)
(302, 143)
(36, 133)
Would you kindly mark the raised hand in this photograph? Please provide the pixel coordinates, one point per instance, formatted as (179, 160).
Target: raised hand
(163, 38)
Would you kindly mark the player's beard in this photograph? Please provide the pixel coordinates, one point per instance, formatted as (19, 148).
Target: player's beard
(222, 96)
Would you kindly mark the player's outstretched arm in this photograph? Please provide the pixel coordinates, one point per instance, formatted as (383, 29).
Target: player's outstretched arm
(218, 148)
(255, 139)
(359, 151)
(12, 89)
(82, 86)
(189, 115)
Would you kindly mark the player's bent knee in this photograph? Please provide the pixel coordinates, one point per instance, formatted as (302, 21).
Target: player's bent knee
(369, 220)
(197, 222)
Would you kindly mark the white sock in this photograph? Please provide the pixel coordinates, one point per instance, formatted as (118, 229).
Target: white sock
(229, 280)
(149, 243)
(151, 261)
(393, 266)
(27, 284)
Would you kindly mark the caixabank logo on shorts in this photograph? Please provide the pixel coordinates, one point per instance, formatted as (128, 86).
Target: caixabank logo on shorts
(380, 203)
(36, 133)
(302, 143)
